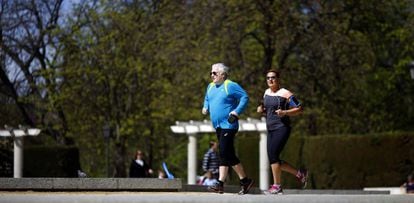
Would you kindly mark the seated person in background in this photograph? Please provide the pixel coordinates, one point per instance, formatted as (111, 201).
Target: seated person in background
(139, 168)
(209, 180)
(409, 185)
(211, 160)
(161, 174)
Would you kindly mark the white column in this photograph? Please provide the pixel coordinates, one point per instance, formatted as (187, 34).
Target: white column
(18, 157)
(264, 162)
(192, 159)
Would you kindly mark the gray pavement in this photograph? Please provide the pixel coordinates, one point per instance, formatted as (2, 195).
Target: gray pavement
(130, 197)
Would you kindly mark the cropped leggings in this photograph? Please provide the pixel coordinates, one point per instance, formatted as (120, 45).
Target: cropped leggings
(276, 141)
(226, 147)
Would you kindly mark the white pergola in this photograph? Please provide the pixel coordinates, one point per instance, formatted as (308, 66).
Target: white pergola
(191, 128)
(17, 135)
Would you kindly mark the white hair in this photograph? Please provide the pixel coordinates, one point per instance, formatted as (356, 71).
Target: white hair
(223, 68)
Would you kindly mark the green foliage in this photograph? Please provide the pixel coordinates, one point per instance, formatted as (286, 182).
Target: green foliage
(139, 66)
(142, 68)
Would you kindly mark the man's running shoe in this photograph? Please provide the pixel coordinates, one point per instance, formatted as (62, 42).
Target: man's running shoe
(217, 188)
(245, 186)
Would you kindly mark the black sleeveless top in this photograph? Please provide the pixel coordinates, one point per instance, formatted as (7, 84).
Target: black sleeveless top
(271, 103)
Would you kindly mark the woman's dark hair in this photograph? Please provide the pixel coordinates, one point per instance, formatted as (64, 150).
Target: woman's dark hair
(138, 152)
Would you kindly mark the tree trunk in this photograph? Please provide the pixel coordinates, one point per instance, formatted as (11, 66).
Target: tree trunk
(120, 159)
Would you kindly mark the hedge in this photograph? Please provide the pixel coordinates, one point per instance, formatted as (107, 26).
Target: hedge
(339, 162)
(55, 161)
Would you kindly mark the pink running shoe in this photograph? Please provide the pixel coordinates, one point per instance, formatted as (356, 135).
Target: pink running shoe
(274, 190)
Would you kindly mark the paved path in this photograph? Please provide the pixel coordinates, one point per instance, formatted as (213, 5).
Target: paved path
(131, 197)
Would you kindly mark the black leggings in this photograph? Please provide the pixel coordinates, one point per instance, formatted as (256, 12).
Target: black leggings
(226, 147)
(276, 141)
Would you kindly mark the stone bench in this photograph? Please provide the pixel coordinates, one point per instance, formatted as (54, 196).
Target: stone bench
(111, 184)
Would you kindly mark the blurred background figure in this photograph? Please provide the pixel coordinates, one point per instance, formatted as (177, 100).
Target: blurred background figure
(208, 179)
(161, 174)
(139, 168)
(211, 160)
(409, 184)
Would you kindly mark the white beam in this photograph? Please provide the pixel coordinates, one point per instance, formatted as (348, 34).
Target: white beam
(206, 128)
(33, 131)
(263, 162)
(19, 133)
(5, 133)
(192, 159)
(177, 129)
(248, 126)
(191, 129)
(18, 157)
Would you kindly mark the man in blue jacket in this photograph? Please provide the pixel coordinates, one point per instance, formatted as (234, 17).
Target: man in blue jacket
(225, 100)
